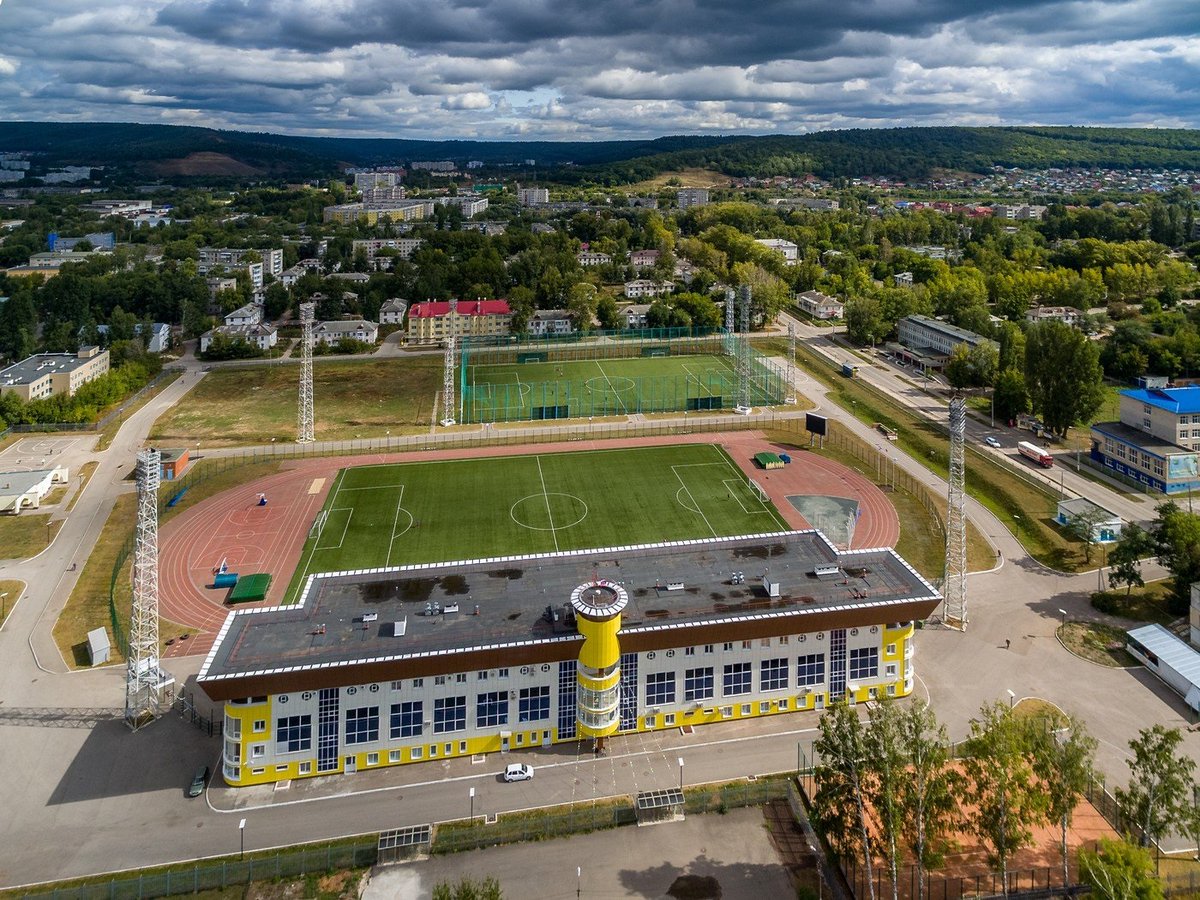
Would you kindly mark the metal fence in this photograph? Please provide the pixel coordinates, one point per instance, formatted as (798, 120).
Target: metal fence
(218, 875)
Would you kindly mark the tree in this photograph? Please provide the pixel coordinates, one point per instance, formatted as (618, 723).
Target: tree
(1117, 870)
(1008, 801)
(1010, 397)
(839, 804)
(864, 320)
(886, 756)
(1062, 759)
(1063, 375)
(929, 796)
(1160, 781)
(581, 306)
(608, 313)
(1176, 534)
(1083, 525)
(1126, 558)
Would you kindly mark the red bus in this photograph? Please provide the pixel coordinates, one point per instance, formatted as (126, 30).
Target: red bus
(1039, 455)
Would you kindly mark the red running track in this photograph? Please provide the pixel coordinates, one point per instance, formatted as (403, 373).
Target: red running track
(252, 538)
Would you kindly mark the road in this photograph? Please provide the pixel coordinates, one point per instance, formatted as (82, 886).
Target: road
(85, 795)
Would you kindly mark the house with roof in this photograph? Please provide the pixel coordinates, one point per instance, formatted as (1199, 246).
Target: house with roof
(1156, 440)
(436, 320)
(258, 335)
(550, 321)
(391, 312)
(820, 306)
(1105, 526)
(53, 374)
(929, 342)
(587, 258)
(644, 287)
(250, 314)
(1068, 315)
(635, 314)
(329, 333)
(790, 251)
(643, 259)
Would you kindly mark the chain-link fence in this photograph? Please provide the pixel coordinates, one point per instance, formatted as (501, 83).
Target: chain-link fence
(217, 875)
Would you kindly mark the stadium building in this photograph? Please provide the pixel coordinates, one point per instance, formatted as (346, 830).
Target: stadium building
(391, 666)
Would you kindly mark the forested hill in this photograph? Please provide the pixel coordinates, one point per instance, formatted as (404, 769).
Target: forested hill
(901, 152)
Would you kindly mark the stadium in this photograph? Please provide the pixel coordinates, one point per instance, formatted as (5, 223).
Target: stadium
(613, 373)
(595, 594)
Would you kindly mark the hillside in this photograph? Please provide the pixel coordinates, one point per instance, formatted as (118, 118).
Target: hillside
(899, 152)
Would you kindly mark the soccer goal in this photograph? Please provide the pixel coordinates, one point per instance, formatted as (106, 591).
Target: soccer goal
(318, 524)
(757, 490)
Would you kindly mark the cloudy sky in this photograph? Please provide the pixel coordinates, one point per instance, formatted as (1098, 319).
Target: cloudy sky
(580, 69)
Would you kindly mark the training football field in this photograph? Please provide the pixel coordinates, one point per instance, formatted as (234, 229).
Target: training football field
(609, 387)
(392, 515)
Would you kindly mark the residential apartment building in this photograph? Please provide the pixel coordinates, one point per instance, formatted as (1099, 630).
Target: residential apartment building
(533, 196)
(930, 341)
(643, 259)
(53, 374)
(468, 204)
(550, 321)
(366, 181)
(686, 198)
(258, 335)
(436, 320)
(329, 333)
(817, 204)
(635, 314)
(571, 657)
(375, 213)
(1022, 212)
(589, 258)
(1068, 315)
(391, 312)
(223, 259)
(1156, 440)
(644, 287)
(791, 252)
(404, 248)
(820, 306)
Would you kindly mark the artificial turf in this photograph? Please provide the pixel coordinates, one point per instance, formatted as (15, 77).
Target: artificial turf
(609, 387)
(391, 515)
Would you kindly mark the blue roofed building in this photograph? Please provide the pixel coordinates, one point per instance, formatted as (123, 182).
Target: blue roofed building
(1155, 443)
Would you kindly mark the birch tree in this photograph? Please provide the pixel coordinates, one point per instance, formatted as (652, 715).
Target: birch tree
(840, 802)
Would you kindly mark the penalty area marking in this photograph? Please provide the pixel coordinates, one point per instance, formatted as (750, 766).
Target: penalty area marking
(733, 485)
(345, 528)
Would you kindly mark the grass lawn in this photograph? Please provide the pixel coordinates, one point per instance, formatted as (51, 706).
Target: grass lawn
(1024, 506)
(1035, 709)
(609, 387)
(87, 607)
(1144, 604)
(687, 178)
(107, 435)
(1097, 642)
(13, 590)
(350, 399)
(471, 508)
(85, 475)
(26, 535)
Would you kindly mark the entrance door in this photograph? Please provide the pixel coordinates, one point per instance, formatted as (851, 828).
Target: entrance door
(351, 764)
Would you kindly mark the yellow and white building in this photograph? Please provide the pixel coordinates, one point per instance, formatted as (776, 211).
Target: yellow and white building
(393, 666)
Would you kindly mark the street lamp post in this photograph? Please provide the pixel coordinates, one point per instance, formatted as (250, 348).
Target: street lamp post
(681, 774)
(1012, 698)
(472, 795)
(578, 879)
(242, 835)
(1063, 613)
(3, 607)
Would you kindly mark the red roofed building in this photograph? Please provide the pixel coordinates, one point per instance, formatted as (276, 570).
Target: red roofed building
(436, 320)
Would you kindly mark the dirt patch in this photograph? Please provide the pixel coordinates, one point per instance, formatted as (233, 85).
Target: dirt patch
(206, 163)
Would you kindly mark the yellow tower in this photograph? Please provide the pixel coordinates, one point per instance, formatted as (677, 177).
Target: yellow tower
(598, 606)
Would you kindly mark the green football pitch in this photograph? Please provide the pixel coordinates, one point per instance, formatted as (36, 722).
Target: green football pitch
(392, 515)
(610, 387)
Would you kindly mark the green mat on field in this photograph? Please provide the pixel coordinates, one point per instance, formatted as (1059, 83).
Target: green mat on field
(250, 588)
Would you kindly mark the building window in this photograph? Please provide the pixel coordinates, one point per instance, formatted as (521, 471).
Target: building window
(708, 648)
(890, 670)
(439, 679)
(305, 768)
(502, 673)
(417, 753)
(394, 756)
(481, 675)
(293, 734)
(449, 714)
(698, 684)
(362, 725)
(491, 709)
(773, 674)
(691, 651)
(534, 704)
(736, 680)
(727, 646)
(372, 759)
(418, 682)
(810, 670)
(864, 662)
(890, 650)
(660, 688)
(461, 678)
(405, 719)
(260, 725)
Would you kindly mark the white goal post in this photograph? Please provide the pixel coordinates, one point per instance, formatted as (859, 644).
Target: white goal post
(318, 524)
(757, 490)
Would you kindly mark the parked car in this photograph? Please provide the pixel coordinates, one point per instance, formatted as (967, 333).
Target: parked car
(518, 772)
(199, 781)
(991, 441)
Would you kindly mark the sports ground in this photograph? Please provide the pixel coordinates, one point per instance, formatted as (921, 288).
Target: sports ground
(437, 506)
(521, 391)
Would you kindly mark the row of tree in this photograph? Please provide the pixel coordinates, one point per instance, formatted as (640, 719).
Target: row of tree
(890, 787)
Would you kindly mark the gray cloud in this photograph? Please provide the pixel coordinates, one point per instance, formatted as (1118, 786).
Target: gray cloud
(623, 68)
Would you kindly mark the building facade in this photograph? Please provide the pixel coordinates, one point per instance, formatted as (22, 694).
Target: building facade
(686, 198)
(820, 306)
(391, 312)
(329, 333)
(533, 196)
(52, 374)
(1156, 440)
(933, 339)
(458, 674)
(264, 337)
(434, 321)
(550, 321)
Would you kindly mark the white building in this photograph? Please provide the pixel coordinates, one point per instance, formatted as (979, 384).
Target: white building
(365, 181)
(264, 337)
(588, 258)
(1106, 526)
(469, 204)
(26, 490)
(550, 321)
(329, 333)
(250, 314)
(1068, 315)
(686, 198)
(391, 312)
(635, 314)
(643, 259)
(533, 196)
(1170, 658)
(820, 306)
(644, 287)
(404, 248)
(791, 252)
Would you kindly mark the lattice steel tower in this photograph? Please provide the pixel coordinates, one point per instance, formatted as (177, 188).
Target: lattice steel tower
(730, 340)
(955, 587)
(305, 429)
(743, 352)
(448, 384)
(142, 695)
(791, 385)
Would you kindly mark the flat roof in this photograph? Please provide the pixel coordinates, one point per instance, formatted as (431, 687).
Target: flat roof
(945, 328)
(15, 484)
(1141, 439)
(40, 365)
(383, 615)
(1178, 400)
(1082, 506)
